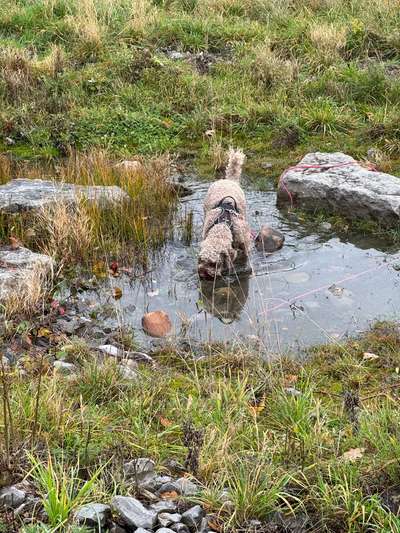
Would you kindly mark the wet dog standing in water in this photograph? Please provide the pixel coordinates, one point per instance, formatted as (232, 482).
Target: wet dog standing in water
(226, 233)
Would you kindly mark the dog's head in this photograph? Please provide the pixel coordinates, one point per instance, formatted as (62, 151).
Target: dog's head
(215, 260)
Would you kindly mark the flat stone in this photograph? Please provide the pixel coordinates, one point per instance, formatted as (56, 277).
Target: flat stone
(340, 184)
(269, 240)
(156, 324)
(114, 351)
(93, 515)
(193, 517)
(166, 519)
(64, 368)
(164, 506)
(133, 513)
(12, 497)
(25, 195)
(19, 268)
(165, 530)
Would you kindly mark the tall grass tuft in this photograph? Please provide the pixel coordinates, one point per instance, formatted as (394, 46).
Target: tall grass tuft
(61, 488)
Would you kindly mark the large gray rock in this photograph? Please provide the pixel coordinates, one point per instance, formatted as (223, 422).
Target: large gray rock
(24, 194)
(339, 184)
(93, 515)
(12, 497)
(21, 271)
(132, 513)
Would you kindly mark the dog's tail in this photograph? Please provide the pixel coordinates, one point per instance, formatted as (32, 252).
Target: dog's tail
(235, 164)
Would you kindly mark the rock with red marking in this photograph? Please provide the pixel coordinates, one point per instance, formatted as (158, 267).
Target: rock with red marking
(156, 324)
(337, 183)
(269, 240)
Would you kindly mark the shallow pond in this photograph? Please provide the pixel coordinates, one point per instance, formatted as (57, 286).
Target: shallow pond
(318, 288)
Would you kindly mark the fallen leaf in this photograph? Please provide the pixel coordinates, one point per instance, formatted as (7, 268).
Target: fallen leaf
(14, 243)
(117, 293)
(216, 524)
(43, 332)
(61, 310)
(167, 123)
(353, 454)
(169, 495)
(99, 269)
(290, 379)
(258, 407)
(165, 422)
(368, 356)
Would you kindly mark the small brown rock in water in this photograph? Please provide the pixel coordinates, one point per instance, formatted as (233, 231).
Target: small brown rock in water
(156, 324)
(269, 240)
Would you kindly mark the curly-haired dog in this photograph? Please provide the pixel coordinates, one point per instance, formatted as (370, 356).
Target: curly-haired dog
(226, 234)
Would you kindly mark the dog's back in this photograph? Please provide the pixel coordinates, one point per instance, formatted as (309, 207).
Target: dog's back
(228, 186)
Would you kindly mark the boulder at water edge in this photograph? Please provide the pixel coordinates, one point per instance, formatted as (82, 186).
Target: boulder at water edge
(24, 194)
(337, 183)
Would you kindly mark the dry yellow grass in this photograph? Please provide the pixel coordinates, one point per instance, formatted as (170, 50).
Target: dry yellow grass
(53, 63)
(68, 232)
(328, 40)
(30, 290)
(270, 69)
(5, 168)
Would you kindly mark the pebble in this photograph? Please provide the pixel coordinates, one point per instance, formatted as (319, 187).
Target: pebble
(127, 373)
(133, 513)
(93, 515)
(293, 392)
(12, 497)
(166, 519)
(156, 324)
(64, 368)
(165, 530)
(269, 240)
(326, 226)
(180, 528)
(193, 517)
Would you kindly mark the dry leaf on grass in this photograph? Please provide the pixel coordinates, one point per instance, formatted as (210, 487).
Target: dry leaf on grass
(353, 454)
(369, 356)
(117, 293)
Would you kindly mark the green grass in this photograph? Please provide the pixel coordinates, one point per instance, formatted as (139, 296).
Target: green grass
(272, 451)
(79, 75)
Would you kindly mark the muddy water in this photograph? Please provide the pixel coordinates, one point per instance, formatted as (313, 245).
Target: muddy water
(318, 288)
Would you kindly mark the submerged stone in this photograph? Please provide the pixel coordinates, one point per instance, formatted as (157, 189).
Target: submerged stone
(269, 240)
(156, 324)
(25, 195)
(337, 183)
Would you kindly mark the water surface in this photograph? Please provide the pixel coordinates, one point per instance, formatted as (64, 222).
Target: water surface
(319, 288)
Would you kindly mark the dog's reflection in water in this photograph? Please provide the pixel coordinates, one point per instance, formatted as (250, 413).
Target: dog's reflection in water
(225, 299)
